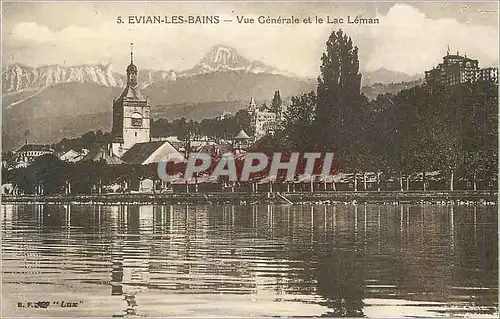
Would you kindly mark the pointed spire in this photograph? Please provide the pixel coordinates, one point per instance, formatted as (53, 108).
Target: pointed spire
(252, 106)
(132, 69)
(448, 51)
(131, 52)
(458, 53)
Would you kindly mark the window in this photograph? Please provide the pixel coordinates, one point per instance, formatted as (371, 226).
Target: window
(136, 119)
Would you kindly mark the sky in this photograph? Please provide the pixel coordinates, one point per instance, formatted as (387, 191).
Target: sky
(411, 37)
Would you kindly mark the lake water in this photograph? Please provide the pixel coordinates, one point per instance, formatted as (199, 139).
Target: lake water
(260, 260)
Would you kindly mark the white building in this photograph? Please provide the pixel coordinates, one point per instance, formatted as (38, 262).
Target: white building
(263, 122)
(29, 152)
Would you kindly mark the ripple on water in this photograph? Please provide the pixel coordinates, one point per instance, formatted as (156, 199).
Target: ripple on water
(220, 260)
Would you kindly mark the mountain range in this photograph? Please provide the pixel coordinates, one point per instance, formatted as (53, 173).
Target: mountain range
(17, 77)
(76, 99)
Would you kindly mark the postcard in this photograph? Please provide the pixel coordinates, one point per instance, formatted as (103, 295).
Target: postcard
(249, 159)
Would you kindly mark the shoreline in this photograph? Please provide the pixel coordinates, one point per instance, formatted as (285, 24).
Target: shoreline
(243, 198)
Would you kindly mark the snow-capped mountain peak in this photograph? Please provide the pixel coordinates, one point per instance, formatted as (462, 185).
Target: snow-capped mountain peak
(222, 58)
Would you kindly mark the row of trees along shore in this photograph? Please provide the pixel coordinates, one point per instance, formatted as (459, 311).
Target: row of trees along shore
(421, 129)
(453, 130)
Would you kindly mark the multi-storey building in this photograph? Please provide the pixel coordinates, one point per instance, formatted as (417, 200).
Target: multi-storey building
(456, 69)
(29, 152)
(262, 122)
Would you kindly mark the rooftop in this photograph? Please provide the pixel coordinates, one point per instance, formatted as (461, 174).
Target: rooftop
(150, 152)
(34, 147)
(242, 135)
(132, 93)
(140, 152)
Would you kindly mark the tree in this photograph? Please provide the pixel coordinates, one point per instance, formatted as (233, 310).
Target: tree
(276, 103)
(298, 121)
(89, 139)
(339, 97)
(243, 119)
(45, 175)
(180, 127)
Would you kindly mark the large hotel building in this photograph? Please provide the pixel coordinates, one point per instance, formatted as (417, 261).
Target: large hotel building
(457, 69)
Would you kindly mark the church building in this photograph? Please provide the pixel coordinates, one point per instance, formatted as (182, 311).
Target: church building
(131, 132)
(131, 115)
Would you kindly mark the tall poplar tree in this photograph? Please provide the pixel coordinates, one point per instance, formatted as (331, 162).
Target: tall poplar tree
(339, 93)
(276, 103)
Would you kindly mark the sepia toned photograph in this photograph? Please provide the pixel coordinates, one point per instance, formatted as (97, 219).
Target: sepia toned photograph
(249, 159)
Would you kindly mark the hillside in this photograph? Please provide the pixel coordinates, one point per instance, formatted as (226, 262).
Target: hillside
(385, 76)
(63, 110)
(373, 91)
(197, 111)
(225, 86)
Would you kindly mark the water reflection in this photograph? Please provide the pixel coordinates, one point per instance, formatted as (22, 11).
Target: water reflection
(310, 260)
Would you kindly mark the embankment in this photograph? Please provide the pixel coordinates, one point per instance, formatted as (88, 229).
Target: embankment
(388, 197)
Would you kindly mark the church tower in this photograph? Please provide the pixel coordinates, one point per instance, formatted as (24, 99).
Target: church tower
(131, 115)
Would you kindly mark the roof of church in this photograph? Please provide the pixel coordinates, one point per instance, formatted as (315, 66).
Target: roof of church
(149, 152)
(140, 152)
(132, 93)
